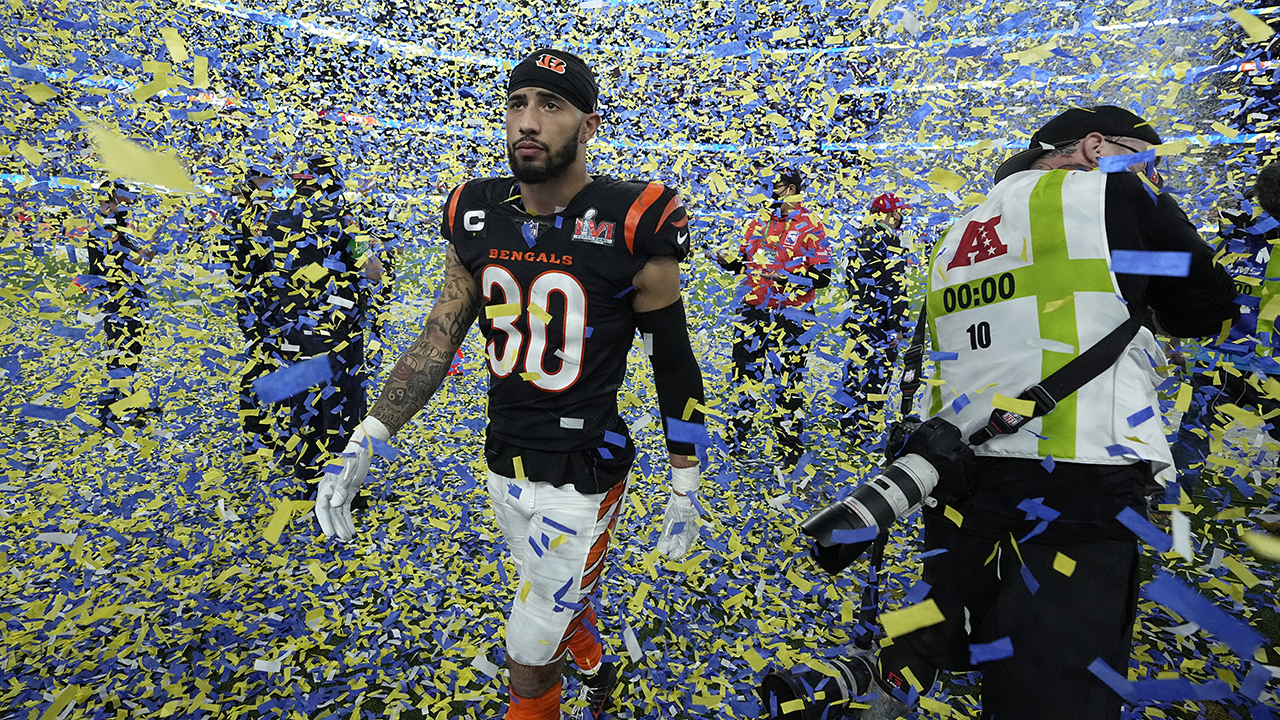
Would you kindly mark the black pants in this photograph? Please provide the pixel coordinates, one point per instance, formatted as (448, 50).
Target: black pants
(864, 423)
(257, 422)
(123, 330)
(325, 415)
(769, 350)
(1055, 632)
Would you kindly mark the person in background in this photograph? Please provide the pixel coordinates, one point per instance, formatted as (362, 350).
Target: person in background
(247, 254)
(875, 280)
(116, 260)
(783, 259)
(317, 305)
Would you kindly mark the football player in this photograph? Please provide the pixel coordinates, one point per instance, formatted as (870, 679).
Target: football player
(561, 269)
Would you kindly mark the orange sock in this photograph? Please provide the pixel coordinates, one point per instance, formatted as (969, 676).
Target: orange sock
(544, 707)
(586, 649)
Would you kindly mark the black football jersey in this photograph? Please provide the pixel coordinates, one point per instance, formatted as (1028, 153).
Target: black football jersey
(556, 310)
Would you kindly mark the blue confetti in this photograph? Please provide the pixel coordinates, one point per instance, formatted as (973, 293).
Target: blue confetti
(44, 412)
(287, 382)
(1141, 416)
(1030, 580)
(986, 652)
(1121, 163)
(1119, 450)
(1196, 608)
(848, 537)
(1149, 533)
(383, 449)
(687, 432)
(1151, 262)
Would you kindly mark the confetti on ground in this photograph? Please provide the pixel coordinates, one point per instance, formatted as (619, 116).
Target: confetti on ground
(156, 569)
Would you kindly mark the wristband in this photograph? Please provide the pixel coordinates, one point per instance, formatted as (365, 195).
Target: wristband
(685, 480)
(370, 427)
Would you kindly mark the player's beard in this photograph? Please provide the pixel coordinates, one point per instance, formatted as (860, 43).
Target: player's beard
(557, 163)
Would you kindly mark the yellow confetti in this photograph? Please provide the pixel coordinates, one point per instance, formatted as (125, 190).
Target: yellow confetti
(316, 571)
(202, 72)
(804, 585)
(954, 516)
(31, 154)
(1256, 28)
(504, 310)
(936, 707)
(1245, 574)
(125, 158)
(946, 179)
(1268, 546)
(39, 92)
(1183, 401)
(142, 398)
(1055, 304)
(1025, 408)
(1064, 564)
(313, 273)
(175, 44)
(283, 515)
(911, 618)
(64, 698)
(539, 313)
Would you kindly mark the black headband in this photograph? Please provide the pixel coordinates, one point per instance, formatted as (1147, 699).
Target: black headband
(563, 73)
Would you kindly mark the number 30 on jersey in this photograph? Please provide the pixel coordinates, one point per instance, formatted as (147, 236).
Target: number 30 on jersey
(496, 277)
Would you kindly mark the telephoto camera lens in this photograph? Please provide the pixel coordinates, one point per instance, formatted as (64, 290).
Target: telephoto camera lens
(804, 693)
(877, 503)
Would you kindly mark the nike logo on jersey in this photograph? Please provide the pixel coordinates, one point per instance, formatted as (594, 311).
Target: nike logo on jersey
(530, 256)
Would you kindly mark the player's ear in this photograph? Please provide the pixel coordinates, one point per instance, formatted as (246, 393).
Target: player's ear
(590, 124)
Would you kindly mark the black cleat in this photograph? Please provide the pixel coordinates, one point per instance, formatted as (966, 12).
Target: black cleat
(597, 691)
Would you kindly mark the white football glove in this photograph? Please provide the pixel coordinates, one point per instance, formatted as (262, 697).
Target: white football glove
(680, 520)
(333, 498)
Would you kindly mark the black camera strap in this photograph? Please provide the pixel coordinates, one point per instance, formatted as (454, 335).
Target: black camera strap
(1069, 378)
(913, 360)
(1046, 394)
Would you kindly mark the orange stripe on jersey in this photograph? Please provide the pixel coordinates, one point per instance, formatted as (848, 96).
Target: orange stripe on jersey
(453, 205)
(672, 206)
(637, 211)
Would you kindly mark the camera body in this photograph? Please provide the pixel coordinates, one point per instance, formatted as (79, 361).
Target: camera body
(931, 462)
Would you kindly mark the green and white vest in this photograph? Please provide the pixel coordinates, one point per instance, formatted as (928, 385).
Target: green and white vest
(1017, 288)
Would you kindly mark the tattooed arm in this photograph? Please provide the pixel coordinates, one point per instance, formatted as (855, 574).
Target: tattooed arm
(418, 373)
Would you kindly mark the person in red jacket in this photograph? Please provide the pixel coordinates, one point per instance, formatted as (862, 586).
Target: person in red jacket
(784, 259)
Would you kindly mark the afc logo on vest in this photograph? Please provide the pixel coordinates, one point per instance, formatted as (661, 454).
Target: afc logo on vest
(979, 242)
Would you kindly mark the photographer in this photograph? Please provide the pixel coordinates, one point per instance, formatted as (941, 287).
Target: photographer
(1024, 543)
